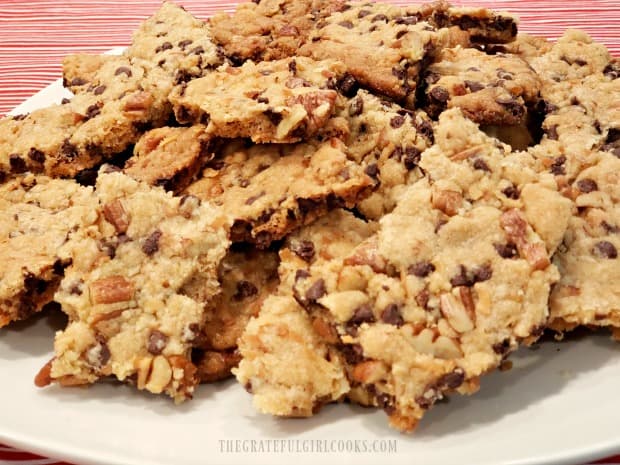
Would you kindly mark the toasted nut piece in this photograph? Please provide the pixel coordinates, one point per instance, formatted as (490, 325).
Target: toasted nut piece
(44, 376)
(138, 102)
(448, 202)
(514, 224)
(161, 375)
(143, 368)
(368, 372)
(111, 290)
(327, 332)
(455, 312)
(536, 255)
(115, 213)
(367, 254)
(446, 348)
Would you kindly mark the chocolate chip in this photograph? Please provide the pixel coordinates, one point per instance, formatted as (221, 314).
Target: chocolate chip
(412, 157)
(301, 274)
(123, 70)
(362, 314)
(18, 165)
(99, 90)
(304, 250)
(347, 85)
(425, 128)
(511, 105)
(503, 74)
(392, 316)
(451, 380)
(264, 100)
(511, 192)
(78, 81)
(612, 70)
(552, 132)
(508, 250)
(184, 43)
(480, 164)
(163, 47)
(610, 228)
(104, 352)
(316, 291)
(379, 17)
(440, 94)
(157, 342)
(422, 298)
(397, 121)
(352, 353)
(273, 116)
(372, 170)
(347, 24)
(363, 13)
(605, 249)
(151, 244)
(421, 269)
(399, 34)
(356, 107)
(92, 111)
(245, 289)
(292, 67)
(198, 50)
(502, 348)
(557, 167)
(546, 107)
(308, 205)
(473, 86)
(587, 185)
(461, 279)
(409, 20)
(386, 402)
(400, 73)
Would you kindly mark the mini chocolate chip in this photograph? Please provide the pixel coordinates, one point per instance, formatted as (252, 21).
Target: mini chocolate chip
(451, 380)
(308, 205)
(392, 316)
(184, 43)
(399, 34)
(356, 107)
(99, 90)
(511, 105)
(503, 74)
(78, 81)
(422, 298)
(399, 73)
(440, 94)
(511, 192)
(372, 170)
(316, 291)
(347, 85)
(262, 100)
(612, 70)
(352, 353)
(421, 269)
(92, 111)
(473, 86)
(425, 128)
(412, 157)
(557, 167)
(587, 185)
(362, 314)
(605, 249)
(292, 67)
(198, 50)
(163, 47)
(480, 164)
(245, 289)
(301, 274)
(461, 279)
(502, 348)
(386, 402)
(508, 250)
(552, 132)
(157, 342)
(397, 121)
(304, 250)
(123, 70)
(379, 17)
(18, 165)
(409, 20)
(363, 13)
(273, 116)
(610, 228)
(151, 244)
(104, 352)
(346, 24)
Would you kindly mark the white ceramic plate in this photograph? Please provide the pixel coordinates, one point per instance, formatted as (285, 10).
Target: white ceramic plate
(558, 404)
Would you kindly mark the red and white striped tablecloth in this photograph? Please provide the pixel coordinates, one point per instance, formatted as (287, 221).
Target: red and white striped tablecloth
(35, 35)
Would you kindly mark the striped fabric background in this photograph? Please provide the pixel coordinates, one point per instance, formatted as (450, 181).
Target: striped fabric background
(35, 35)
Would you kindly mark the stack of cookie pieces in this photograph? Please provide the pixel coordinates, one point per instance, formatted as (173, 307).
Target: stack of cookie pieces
(332, 200)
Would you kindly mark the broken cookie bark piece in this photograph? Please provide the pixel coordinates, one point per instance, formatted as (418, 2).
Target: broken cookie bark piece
(269, 190)
(280, 101)
(247, 276)
(588, 259)
(39, 217)
(170, 157)
(130, 291)
(489, 89)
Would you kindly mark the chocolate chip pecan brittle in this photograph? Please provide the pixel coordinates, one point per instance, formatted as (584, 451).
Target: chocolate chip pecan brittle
(130, 291)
